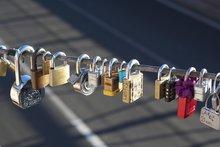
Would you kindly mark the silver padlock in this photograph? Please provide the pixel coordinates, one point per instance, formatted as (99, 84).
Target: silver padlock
(202, 88)
(132, 83)
(80, 79)
(94, 75)
(210, 116)
(21, 91)
(215, 89)
(103, 70)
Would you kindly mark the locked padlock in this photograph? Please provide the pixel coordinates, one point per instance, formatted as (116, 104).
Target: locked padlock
(21, 91)
(202, 88)
(94, 74)
(58, 75)
(160, 83)
(46, 64)
(111, 80)
(132, 83)
(215, 89)
(103, 71)
(170, 91)
(38, 78)
(80, 79)
(185, 92)
(3, 65)
(121, 75)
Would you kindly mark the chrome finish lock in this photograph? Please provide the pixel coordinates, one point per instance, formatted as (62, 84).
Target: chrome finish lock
(160, 83)
(121, 74)
(132, 83)
(21, 91)
(202, 88)
(94, 75)
(215, 88)
(3, 65)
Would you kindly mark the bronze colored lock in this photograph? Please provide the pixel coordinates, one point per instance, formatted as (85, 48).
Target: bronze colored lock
(46, 64)
(111, 80)
(3, 65)
(160, 83)
(58, 75)
(38, 78)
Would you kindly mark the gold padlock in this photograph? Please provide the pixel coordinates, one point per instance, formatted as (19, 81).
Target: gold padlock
(3, 65)
(46, 63)
(58, 75)
(160, 83)
(111, 80)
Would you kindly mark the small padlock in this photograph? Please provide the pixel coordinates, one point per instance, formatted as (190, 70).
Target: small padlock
(202, 88)
(38, 78)
(94, 74)
(211, 116)
(111, 80)
(121, 75)
(160, 83)
(103, 71)
(21, 91)
(80, 79)
(46, 64)
(58, 75)
(185, 92)
(132, 83)
(3, 65)
(170, 91)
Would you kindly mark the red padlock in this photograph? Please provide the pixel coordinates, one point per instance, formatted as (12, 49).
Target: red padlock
(185, 92)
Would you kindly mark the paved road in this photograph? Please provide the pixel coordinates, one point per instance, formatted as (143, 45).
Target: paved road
(148, 31)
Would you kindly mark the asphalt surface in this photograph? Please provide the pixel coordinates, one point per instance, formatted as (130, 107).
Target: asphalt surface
(148, 31)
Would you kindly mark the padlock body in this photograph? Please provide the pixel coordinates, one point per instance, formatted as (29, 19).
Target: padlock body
(160, 88)
(46, 67)
(210, 117)
(3, 68)
(39, 80)
(111, 83)
(59, 75)
(170, 91)
(186, 107)
(94, 79)
(132, 88)
(202, 91)
(121, 75)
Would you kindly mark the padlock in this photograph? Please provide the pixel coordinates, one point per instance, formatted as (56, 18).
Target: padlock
(132, 83)
(3, 65)
(211, 116)
(170, 91)
(94, 74)
(160, 83)
(38, 78)
(111, 80)
(79, 80)
(103, 71)
(9, 63)
(121, 75)
(58, 75)
(46, 64)
(21, 92)
(202, 88)
(185, 92)
(215, 89)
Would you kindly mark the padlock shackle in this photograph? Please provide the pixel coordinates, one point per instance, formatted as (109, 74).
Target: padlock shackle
(94, 62)
(129, 66)
(188, 72)
(56, 55)
(214, 84)
(18, 54)
(162, 67)
(170, 72)
(122, 64)
(201, 75)
(78, 62)
(36, 53)
(111, 63)
(103, 65)
(45, 54)
(210, 96)
(3, 47)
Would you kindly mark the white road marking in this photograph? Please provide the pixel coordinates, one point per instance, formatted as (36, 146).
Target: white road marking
(192, 14)
(74, 120)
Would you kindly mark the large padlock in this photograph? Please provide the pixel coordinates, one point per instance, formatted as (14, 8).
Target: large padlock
(38, 78)
(21, 91)
(58, 75)
(3, 65)
(79, 80)
(185, 92)
(170, 91)
(211, 116)
(132, 83)
(111, 80)
(202, 88)
(215, 89)
(160, 83)
(121, 75)
(94, 74)
(103, 70)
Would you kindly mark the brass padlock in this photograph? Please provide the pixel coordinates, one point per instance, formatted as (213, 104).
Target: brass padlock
(38, 79)
(132, 83)
(111, 80)
(58, 75)
(103, 71)
(3, 65)
(46, 64)
(160, 83)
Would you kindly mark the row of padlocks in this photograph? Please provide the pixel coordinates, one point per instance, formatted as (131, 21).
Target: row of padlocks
(28, 90)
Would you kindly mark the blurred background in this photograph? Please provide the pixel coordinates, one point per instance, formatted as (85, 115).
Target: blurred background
(181, 33)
